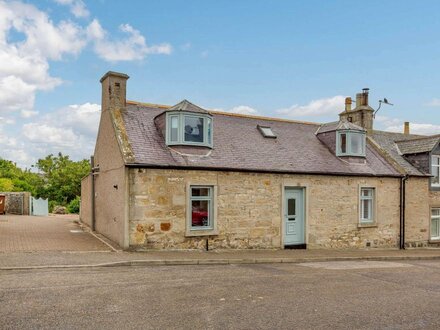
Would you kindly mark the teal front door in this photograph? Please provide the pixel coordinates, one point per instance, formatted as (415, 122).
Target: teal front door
(294, 217)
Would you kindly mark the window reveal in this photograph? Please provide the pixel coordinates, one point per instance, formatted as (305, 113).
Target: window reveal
(367, 205)
(201, 207)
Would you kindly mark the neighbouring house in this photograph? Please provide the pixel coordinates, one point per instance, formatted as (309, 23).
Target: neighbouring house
(183, 177)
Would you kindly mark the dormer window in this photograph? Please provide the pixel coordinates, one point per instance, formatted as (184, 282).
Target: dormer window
(350, 143)
(435, 170)
(185, 128)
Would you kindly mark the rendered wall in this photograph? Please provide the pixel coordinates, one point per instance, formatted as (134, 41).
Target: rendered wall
(85, 210)
(249, 210)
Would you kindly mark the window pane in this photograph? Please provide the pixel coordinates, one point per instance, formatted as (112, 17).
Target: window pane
(435, 170)
(209, 123)
(193, 129)
(291, 206)
(434, 228)
(435, 212)
(174, 128)
(436, 177)
(343, 143)
(200, 214)
(366, 212)
(367, 192)
(356, 144)
(201, 191)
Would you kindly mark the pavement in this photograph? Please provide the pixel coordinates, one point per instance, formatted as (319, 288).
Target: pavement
(61, 242)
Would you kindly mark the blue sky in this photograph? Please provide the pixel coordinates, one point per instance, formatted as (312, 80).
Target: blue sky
(290, 59)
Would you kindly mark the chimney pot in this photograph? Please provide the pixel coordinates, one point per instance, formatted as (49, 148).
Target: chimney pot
(348, 103)
(406, 128)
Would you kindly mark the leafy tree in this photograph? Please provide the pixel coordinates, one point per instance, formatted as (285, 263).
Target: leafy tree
(6, 185)
(58, 179)
(61, 177)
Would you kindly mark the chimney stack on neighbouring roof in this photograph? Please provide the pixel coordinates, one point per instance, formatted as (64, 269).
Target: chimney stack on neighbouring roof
(362, 114)
(406, 128)
(114, 89)
(348, 103)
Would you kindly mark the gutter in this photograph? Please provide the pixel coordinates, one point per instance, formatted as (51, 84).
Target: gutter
(231, 169)
(402, 212)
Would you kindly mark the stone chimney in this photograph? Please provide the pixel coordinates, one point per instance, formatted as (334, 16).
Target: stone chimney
(348, 103)
(114, 89)
(362, 114)
(406, 128)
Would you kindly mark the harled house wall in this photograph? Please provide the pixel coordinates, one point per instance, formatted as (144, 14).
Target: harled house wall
(249, 210)
(110, 184)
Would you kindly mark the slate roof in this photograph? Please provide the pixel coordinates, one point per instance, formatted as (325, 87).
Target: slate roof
(238, 145)
(337, 125)
(419, 145)
(387, 142)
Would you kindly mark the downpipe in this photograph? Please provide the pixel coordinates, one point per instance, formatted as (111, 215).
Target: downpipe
(402, 212)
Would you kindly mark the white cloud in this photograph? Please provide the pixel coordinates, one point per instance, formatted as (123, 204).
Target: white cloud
(396, 125)
(6, 121)
(433, 103)
(244, 110)
(28, 113)
(321, 107)
(416, 128)
(24, 61)
(24, 68)
(77, 7)
(241, 109)
(131, 47)
(82, 118)
(41, 133)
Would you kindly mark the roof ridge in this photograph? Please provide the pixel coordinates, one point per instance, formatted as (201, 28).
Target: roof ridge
(231, 114)
(420, 138)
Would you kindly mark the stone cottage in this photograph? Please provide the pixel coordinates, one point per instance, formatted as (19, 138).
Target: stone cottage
(183, 177)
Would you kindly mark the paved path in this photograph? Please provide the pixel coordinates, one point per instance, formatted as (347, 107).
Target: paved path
(59, 241)
(52, 233)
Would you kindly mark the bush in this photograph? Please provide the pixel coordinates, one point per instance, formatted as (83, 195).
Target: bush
(73, 206)
(52, 205)
(59, 209)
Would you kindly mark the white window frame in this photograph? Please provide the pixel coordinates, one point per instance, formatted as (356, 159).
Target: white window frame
(372, 199)
(350, 134)
(207, 129)
(435, 236)
(212, 229)
(435, 168)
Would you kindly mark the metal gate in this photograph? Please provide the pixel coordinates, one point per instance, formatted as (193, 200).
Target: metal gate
(39, 206)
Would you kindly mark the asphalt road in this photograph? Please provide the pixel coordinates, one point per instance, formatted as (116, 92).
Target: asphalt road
(331, 295)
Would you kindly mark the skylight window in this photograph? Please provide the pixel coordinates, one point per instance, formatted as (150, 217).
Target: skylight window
(266, 131)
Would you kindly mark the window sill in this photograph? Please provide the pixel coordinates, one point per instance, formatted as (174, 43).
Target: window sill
(367, 225)
(202, 232)
(434, 240)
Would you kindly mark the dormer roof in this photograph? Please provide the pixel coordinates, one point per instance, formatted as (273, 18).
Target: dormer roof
(186, 105)
(339, 125)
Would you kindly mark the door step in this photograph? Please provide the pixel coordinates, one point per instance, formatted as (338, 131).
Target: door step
(296, 247)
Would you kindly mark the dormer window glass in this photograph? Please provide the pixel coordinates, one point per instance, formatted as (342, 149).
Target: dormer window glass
(435, 170)
(350, 143)
(184, 128)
